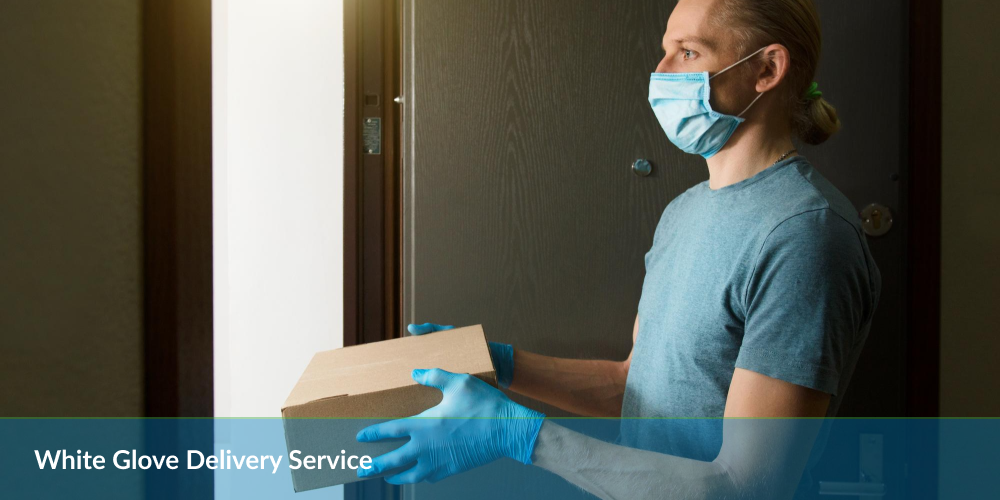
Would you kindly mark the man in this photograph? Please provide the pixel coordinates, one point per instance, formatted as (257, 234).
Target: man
(759, 310)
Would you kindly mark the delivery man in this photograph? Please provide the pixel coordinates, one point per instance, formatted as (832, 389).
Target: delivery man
(760, 309)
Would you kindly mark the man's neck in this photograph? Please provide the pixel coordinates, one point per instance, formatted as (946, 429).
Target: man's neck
(751, 150)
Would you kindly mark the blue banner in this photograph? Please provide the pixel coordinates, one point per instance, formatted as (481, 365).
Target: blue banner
(272, 458)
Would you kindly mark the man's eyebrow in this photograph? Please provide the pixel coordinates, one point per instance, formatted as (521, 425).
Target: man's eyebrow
(704, 42)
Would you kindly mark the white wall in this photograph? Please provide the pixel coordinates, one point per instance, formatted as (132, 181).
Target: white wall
(278, 194)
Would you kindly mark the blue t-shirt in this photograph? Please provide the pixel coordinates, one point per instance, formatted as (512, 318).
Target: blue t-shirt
(771, 274)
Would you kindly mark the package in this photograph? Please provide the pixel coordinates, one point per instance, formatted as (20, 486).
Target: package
(345, 390)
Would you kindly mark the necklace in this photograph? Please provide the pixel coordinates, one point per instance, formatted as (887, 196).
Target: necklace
(782, 157)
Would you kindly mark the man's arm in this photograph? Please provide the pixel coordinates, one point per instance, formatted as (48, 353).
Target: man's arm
(588, 387)
(593, 388)
(760, 457)
(475, 424)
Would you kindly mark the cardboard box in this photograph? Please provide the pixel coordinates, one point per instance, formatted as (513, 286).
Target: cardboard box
(365, 384)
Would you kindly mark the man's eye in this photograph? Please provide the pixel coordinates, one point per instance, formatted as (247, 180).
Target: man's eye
(688, 54)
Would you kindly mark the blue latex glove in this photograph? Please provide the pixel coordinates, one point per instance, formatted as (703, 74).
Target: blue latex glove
(502, 354)
(473, 425)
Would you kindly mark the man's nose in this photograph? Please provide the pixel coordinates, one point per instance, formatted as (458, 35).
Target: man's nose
(663, 66)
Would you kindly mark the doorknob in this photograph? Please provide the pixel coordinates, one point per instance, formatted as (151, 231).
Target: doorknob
(876, 219)
(642, 167)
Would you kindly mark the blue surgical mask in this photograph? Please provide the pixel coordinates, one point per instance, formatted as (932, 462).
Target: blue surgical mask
(680, 103)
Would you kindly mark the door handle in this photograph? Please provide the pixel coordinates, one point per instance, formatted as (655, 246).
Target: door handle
(876, 219)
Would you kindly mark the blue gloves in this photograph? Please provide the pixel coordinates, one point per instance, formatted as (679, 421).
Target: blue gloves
(473, 425)
(502, 354)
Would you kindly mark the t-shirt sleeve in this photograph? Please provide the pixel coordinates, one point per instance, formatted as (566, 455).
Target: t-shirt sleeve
(807, 301)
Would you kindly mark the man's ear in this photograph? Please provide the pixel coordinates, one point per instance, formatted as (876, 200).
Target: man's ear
(775, 68)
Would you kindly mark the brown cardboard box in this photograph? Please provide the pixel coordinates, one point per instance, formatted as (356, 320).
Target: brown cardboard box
(365, 384)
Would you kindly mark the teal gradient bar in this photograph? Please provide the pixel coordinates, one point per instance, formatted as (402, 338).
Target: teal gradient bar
(918, 457)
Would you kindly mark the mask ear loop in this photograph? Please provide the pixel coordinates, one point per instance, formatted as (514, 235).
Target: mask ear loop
(751, 105)
(737, 63)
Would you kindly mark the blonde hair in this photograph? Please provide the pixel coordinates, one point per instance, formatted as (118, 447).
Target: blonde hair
(794, 24)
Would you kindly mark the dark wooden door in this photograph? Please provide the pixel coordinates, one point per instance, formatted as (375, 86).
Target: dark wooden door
(521, 121)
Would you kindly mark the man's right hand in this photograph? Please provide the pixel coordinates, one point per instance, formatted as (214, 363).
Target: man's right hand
(502, 354)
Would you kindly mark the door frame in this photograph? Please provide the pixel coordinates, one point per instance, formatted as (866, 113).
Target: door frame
(177, 235)
(177, 207)
(372, 190)
(923, 209)
(923, 267)
(372, 195)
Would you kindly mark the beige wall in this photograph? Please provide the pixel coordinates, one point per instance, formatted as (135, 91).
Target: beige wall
(70, 208)
(970, 303)
(970, 329)
(970, 268)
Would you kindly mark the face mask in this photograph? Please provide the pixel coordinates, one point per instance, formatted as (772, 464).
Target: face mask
(680, 103)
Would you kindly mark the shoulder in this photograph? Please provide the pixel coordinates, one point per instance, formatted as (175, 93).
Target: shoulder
(812, 207)
(812, 215)
(818, 232)
(820, 251)
(803, 190)
(817, 228)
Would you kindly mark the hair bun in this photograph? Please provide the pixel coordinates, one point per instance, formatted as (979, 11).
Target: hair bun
(820, 121)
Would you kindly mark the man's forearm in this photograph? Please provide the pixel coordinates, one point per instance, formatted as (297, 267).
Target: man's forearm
(759, 459)
(615, 472)
(582, 386)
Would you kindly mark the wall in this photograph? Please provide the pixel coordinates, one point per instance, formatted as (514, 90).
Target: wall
(970, 270)
(970, 289)
(278, 97)
(70, 199)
